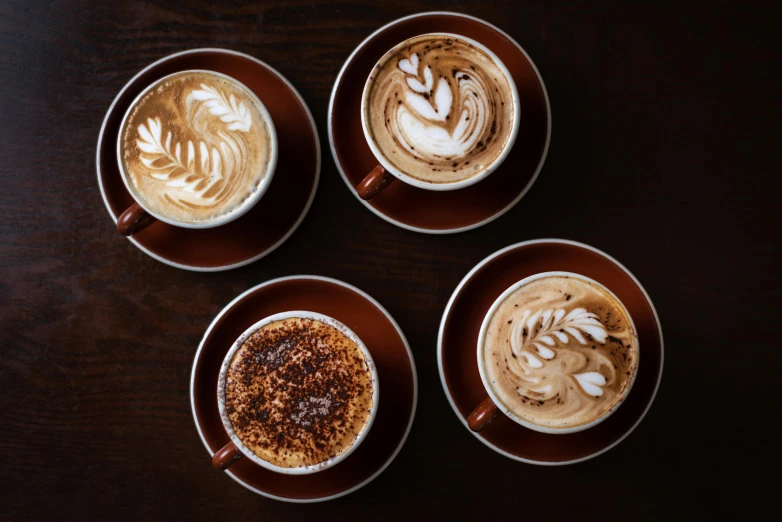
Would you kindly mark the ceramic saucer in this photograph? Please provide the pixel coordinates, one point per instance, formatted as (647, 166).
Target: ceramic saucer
(389, 349)
(457, 342)
(445, 211)
(273, 219)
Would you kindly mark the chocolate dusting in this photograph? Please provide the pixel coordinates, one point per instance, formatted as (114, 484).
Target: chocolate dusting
(298, 392)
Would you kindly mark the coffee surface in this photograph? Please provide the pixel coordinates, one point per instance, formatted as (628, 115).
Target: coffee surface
(196, 147)
(298, 392)
(560, 352)
(440, 109)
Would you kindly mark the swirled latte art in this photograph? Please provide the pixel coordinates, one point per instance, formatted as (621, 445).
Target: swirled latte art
(439, 110)
(560, 352)
(196, 147)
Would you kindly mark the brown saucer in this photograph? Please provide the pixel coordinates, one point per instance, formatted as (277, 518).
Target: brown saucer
(389, 349)
(273, 219)
(457, 345)
(445, 211)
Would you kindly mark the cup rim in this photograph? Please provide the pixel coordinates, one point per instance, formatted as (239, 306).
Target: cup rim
(234, 214)
(380, 157)
(314, 468)
(481, 364)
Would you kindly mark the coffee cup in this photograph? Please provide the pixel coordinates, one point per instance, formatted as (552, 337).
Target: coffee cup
(297, 394)
(557, 353)
(439, 111)
(196, 149)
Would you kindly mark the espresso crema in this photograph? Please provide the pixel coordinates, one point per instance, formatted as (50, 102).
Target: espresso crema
(196, 147)
(560, 352)
(440, 109)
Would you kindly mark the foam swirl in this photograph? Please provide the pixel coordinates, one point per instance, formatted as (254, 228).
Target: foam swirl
(196, 147)
(560, 352)
(440, 109)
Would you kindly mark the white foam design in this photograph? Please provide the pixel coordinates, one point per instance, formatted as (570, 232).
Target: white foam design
(429, 104)
(168, 165)
(191, 171)
(544, 330)
(591, 383)
(229, 110)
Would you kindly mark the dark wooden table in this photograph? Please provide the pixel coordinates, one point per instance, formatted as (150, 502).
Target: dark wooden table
(662, 155)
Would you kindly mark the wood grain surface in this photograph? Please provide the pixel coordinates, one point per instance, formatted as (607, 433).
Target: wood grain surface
(664, 149)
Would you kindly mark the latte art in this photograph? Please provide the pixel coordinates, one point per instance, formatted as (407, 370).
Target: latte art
(440, 109)
(560, 352)
(196, 147)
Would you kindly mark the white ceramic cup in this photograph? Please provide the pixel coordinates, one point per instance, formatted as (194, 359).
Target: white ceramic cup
(236, 449)
(138, 216)
(379, 178)
(492, 405)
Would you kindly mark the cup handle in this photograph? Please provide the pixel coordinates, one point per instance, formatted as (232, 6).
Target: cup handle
(225, 456)
(374, 183)
(482, 415)
(133, 220)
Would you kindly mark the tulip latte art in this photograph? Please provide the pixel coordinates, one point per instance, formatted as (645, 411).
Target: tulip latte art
(560, 352)
(196, 147)
(439, 109)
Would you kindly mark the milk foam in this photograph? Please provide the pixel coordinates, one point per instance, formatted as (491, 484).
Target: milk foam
(560, 352)
(439, 110)
(196, 147)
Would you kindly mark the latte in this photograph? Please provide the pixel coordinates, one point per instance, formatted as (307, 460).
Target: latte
(298, 392)
(439, 108)
(560, 352)
(197, 147)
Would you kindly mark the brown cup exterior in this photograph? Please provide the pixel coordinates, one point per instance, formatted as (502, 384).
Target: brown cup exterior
(374, 183)
(134, 219)
(482, 415)
(225, 456)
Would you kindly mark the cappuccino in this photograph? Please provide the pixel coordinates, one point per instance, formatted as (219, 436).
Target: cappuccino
(559, 352)
(298, 392)
(196, 148)
(439, 109)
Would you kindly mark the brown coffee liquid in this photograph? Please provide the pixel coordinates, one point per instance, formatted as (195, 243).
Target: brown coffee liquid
(560, 352)
(298, 392)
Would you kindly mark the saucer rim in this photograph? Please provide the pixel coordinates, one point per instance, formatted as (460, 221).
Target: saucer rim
(447, 311)
(385, 312)
(499, 213)
(305, 210)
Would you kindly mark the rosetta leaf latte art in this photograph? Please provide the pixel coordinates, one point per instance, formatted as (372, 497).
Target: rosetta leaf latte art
(535, 336)
(196, 147)
(228, 110)
(189, 174)
(560, 352)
